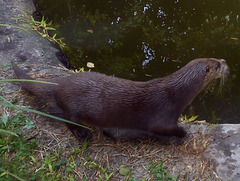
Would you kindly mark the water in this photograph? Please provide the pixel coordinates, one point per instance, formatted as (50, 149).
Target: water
(144, 39)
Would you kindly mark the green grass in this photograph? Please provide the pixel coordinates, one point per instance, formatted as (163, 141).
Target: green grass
(13, 26)
(15, 148)
(27, 80)
(43, 27)
(128, 173)
(19, 158)
(160, 173)
(44, 114)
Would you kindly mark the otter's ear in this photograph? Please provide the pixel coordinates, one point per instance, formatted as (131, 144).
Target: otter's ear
(207, 69)
(218, 65)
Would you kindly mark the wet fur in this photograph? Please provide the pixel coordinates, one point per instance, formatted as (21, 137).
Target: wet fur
(154, 106)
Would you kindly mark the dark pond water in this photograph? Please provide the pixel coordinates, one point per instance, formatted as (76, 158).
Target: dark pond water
(144, 39)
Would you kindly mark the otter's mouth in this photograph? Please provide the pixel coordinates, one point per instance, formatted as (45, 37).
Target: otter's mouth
(224, 69)
(223, 73)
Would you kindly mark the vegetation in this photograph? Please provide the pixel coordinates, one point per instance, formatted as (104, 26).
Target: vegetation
(160, 173)
(43, 28)
(19, 156)
(15, 149)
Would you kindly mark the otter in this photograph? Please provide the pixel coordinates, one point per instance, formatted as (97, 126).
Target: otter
(102, 101)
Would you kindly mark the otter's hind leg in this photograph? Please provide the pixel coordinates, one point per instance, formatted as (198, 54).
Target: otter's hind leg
(81, 133)
(168, 130)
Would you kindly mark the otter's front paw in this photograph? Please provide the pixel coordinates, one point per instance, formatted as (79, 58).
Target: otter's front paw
(180, 132)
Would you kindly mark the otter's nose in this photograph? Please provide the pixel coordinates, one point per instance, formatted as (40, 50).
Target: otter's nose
(223, 61)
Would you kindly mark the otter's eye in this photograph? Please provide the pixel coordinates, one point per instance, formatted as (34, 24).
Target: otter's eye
(207, 69)
(218, 65)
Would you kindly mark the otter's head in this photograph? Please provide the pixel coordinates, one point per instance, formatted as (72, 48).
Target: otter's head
(215, 68)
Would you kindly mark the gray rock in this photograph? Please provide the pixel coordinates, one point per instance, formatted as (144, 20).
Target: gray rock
(225, 151)
(20, 45)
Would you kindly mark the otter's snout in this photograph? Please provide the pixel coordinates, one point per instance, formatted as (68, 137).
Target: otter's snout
(224, 69)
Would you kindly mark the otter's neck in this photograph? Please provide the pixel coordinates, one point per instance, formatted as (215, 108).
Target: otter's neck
(186, 84)
(181, 87)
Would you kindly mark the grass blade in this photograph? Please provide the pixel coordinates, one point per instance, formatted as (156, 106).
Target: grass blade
(10, 65)
(18, 27)
(8, 132)
(28, 80)
(1, 97)
(13, 175)
(44, 114)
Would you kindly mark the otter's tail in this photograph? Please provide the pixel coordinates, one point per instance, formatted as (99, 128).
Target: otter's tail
(37, 89)
(20, 73)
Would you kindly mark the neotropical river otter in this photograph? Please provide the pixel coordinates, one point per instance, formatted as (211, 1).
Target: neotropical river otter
(154, 106)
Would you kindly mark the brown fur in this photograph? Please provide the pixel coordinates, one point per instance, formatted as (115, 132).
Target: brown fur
(103, 101)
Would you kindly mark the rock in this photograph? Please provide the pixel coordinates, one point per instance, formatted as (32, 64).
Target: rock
(20, 45)
(225, 151)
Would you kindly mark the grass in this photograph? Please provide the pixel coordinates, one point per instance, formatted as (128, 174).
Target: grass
(160, 173)
(128, 173)
(185, 119)
(19, 157)
(15, 148)
(44, 114)
(13, 26)
(43, 27)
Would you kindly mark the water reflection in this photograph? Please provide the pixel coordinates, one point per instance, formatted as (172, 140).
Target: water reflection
(149, 54)
(133, 38)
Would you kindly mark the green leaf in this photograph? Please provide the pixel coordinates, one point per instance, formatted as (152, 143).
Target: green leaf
(50, 167)
(34, 21)
(124, 171)
(2, 174)
(29, 124)
(68, 170)
(4, 119)
(50, 28)
(193, 118)
(108, 176)
(8, 132)
(93, 166)
(33, 159)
